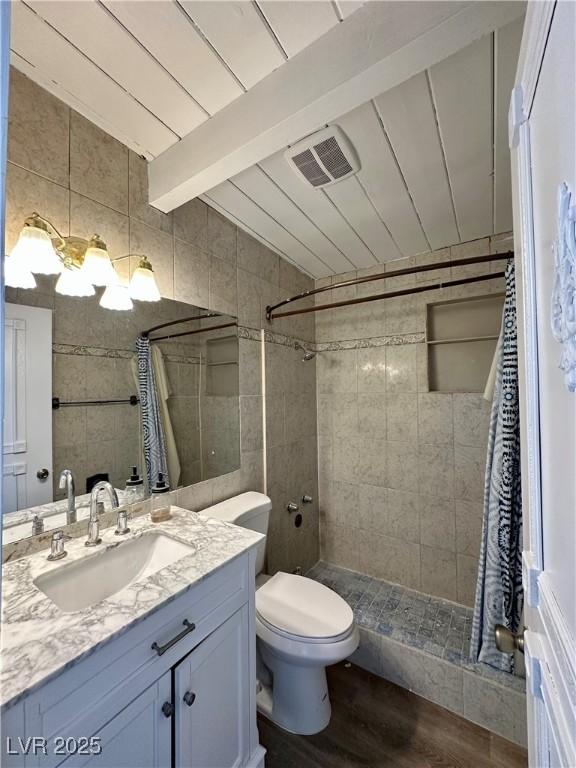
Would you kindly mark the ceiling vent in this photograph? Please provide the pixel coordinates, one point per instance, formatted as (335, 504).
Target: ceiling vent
(323, 158)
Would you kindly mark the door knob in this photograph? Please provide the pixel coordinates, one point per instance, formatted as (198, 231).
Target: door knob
(167, 709)
(42, 474)
(189, 698)
(507, 641)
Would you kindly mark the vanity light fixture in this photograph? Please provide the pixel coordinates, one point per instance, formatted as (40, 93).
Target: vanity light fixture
(116, 296)
(73, 283)
(34, 249)
(97, 267)
(17, 274)
(143, 285)
(81, 264)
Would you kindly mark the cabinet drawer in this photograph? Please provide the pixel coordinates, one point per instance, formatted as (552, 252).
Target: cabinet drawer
(83, 699)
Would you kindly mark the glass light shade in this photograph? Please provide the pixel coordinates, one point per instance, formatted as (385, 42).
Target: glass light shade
(97, 267)
(17, 275)
(143, 285)
(73, 283)
(35, 250)
(116, 297)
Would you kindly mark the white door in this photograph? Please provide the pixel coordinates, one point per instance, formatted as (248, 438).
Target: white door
(27, 446)
(543, 135)
(140, 736)
(211, 699)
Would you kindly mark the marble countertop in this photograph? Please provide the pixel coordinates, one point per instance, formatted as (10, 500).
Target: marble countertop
(39, 641)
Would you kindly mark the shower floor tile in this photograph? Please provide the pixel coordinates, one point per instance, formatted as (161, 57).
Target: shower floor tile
(431, 624)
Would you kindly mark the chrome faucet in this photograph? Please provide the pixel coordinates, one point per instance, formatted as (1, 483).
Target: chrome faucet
(67, 481)
(94, 524)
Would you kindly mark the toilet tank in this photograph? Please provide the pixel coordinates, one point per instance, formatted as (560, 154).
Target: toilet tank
(248, 510)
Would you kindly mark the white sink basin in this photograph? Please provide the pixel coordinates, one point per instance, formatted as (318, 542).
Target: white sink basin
(84, 583)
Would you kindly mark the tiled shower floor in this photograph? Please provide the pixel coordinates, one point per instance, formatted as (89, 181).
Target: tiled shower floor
(431, 624)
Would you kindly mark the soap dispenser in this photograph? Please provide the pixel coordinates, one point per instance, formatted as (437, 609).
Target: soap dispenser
(160, 500)
(134, 488)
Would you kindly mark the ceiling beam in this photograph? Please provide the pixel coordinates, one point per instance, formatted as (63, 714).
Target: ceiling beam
(378, 47)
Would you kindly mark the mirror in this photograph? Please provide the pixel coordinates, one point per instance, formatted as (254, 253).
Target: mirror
(73, 399)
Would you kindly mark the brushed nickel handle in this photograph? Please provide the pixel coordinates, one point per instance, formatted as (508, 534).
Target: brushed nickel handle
(189, 698)
(507, 641)
(167, 709)
(292, 507)
(161, 649)
(307, 499)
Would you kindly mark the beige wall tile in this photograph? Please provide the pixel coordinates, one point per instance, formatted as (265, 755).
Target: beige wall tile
(435, 425)
(372, 415)
(191, 223)
(344, 411)
(38, 130)
(372, 372)
(221, 236)
(88, 218)
(372, 461)
(469, 470)
(479, 247)
(191, 274)
(25, 193)
(159, 248)
(436, 471)
(402, 417)
(467, 572)
(471, 419)
(223, 287)
(249, 300)
(439, 573)
(388, 558)
(98, 164)
(250, 422)
(138, 206)
(254, 257)
(469, 516)
(402, 468)
(401, 368)
(339, 544)
(437, 523)
(337, 372)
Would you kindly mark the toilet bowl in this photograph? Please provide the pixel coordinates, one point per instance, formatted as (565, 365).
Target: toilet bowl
(301, 628)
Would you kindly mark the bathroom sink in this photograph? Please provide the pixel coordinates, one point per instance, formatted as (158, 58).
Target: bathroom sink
(84, 583)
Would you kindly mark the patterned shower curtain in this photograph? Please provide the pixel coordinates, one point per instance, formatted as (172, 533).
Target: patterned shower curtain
(152, 430)
(499, 595)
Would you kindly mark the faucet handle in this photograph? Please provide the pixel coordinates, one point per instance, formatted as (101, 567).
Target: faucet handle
(122, 523)
(57, 551)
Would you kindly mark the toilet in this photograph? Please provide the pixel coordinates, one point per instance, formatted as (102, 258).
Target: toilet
(301, 628)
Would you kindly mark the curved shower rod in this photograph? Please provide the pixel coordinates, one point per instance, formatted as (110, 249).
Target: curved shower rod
(270, 309)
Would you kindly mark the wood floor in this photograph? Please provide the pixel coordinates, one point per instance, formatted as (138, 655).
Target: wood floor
(376, 724)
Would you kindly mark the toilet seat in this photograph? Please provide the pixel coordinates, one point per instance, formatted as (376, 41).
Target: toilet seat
(302, 610)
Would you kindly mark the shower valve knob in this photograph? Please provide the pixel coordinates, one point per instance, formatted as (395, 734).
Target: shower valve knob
(292, 507)
(307, 499)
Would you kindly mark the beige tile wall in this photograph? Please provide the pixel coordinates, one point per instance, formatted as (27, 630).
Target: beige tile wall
(401, 469)
(85, 181)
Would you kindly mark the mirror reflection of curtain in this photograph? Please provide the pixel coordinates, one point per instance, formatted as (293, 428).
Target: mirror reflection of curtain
(152, 427)
(163, 391)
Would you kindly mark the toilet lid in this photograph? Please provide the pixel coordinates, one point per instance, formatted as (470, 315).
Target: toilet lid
(303, 607)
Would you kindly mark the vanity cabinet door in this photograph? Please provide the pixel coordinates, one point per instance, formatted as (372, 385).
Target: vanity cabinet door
(211, 699)
(139, 736)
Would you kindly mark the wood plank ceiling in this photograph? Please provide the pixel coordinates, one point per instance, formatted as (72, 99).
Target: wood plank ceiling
(435, 167)
(435, 170)
(150, 72)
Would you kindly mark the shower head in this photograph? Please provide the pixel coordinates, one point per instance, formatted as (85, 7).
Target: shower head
(308, 354)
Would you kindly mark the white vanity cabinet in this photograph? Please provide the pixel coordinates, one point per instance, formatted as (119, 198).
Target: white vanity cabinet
(177, 690)
(210, 686)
